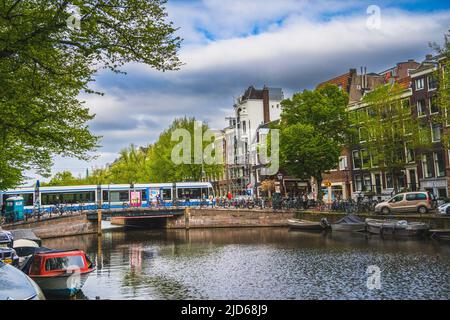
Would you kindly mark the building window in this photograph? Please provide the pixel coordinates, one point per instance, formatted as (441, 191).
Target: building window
(343, 163)
(363, 134)
(434, 108)
(442, 193)
(244, 126)
(409, 153)
(436, 132)
(439, 164)
(356, 159)
(420, 108)
(432, 82)
(427, 165)
(367, 182)
(365, 159)
(358, 183)
(389, 181)
(419, 84)
(405, 106)
(401, 180)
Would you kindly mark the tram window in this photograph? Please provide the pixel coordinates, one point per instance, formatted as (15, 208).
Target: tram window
(167, 194)
(191, 193)
(105, 195)
(27, 198)
(56, 198)
(119, 196)
(144, 195)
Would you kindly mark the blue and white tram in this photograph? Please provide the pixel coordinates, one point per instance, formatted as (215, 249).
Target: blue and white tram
(113, 196)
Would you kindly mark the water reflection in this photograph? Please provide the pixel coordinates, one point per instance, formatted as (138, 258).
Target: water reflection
(259, 263)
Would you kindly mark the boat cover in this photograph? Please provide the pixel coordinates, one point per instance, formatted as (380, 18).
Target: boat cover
(350, 219)
(33, 251)
(26, 234)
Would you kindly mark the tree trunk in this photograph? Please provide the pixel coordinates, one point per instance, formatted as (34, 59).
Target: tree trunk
(319, 188)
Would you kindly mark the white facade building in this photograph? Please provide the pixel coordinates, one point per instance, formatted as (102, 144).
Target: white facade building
(255, 108)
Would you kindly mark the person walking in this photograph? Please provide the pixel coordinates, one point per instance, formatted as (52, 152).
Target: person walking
(305, 201)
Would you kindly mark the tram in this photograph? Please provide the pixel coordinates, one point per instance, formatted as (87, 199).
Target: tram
(112, 196)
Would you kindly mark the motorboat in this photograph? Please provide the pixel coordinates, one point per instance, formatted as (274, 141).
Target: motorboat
(307, 225)
(396, 227)
(58, 272)
(441, 234)
(15, 285)
(349, 223)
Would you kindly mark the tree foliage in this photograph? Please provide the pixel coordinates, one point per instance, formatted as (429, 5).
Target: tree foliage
(45, 64)
(314, 127)
(389, 135)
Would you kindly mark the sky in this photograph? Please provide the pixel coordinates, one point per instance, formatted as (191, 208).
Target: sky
(231, 45)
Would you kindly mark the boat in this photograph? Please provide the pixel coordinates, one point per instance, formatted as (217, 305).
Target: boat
(24, 249)
(58, 272)
(15, 285)
(396, 227)
(306, 225)
(349, 223)
(26, 234)
(442, 234)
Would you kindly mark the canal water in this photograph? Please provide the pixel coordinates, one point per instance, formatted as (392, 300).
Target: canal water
(260, 263)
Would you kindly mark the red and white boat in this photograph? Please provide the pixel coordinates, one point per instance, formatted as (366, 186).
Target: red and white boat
(57, 272)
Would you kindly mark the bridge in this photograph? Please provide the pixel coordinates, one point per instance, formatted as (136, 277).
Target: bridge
(86, 221)
(136, 213)
(151, 217)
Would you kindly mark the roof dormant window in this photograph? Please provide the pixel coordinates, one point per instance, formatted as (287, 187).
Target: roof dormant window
(432, 82)
(419, 84)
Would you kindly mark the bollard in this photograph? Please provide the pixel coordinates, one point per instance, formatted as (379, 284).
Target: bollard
(187, 215)
(99, 221)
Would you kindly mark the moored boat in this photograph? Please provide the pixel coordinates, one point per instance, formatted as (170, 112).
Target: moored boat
(306, 225)
(349, 223)
(442, 234)
(396, 227)
(58, 273)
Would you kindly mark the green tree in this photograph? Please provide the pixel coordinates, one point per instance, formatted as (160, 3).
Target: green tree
(131, 166)
(314, 127)
(45, 63)
(162, 167)
(443, 90)
(64, 178)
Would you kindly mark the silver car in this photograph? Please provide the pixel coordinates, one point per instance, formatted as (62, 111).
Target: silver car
(444, 208)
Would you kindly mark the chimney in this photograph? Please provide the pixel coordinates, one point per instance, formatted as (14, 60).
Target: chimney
(428, 57)
(266, 107)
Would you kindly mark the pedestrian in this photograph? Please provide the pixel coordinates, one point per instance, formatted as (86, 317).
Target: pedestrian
(305, 201)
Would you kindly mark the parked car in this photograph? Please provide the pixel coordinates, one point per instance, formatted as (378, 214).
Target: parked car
(16, 285)
(421, 202)
(444, 208)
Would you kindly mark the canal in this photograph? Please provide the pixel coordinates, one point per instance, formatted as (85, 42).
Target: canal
(259, 263)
